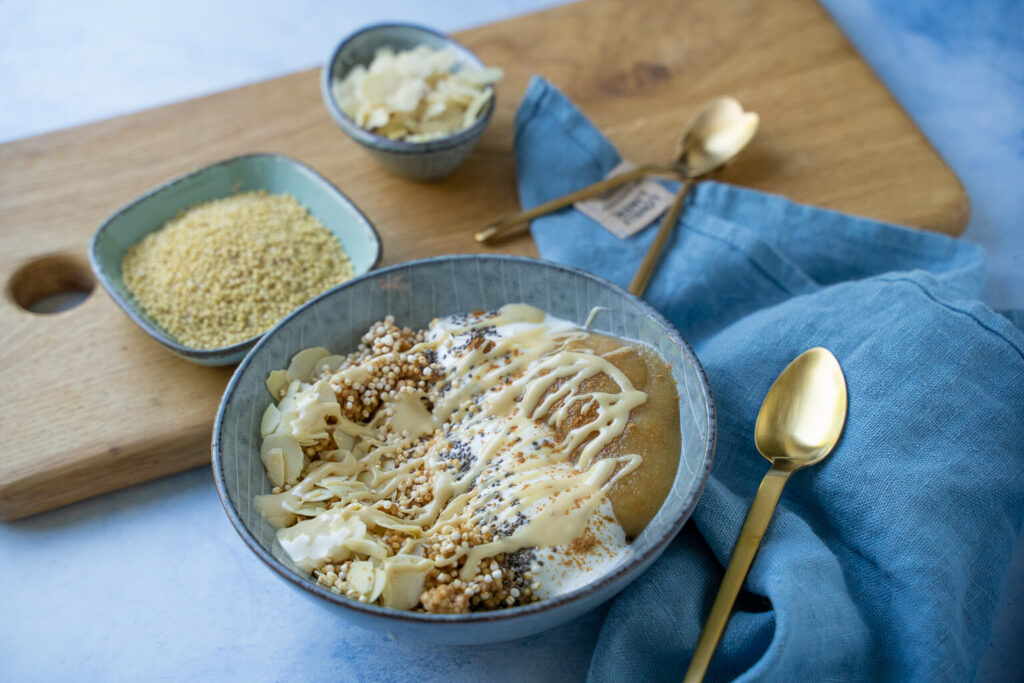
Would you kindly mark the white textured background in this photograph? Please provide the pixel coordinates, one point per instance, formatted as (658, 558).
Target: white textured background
(101, 589)
(63, 63)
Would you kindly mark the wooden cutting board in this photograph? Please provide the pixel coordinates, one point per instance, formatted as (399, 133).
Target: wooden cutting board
(91, 404)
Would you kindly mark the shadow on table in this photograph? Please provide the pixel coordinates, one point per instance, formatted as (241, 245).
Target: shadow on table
(562, 654)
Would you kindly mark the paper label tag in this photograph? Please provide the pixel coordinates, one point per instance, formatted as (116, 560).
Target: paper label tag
(629, 208)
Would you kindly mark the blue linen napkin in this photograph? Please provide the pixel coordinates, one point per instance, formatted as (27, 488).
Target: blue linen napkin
(886, 561)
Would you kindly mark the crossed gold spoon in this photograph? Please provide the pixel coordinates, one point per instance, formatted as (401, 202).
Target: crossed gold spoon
(712, 138)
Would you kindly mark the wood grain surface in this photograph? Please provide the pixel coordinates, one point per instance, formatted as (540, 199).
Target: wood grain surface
(91, 404)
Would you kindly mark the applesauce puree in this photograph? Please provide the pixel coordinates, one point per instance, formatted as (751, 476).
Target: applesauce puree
(652, 432)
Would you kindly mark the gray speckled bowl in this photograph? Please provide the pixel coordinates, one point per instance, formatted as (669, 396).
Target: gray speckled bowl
(417, 160)
(271, 172)
(415, 293)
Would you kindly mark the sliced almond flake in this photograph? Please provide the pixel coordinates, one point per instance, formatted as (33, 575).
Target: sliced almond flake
(328, 363)
(309, 511)
(273, 461)
(365, 546)
(435, 109)
(345, 488)
(276, 382)
(383, 60)
(271, 420)
(475, 108)
(361, 576)
(270, 506)
(443, 60)
(456, 91)
(405, 578)
(407, 96)
(291, 452)
(378, 117)
(301, 367)
(480, 77)
(317, 495)
(380, 578)
(378, 86)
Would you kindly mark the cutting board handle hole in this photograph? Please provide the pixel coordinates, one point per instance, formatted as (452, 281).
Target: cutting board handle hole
(51, 283)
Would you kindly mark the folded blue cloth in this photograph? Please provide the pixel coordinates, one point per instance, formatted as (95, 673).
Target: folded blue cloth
(886, 561)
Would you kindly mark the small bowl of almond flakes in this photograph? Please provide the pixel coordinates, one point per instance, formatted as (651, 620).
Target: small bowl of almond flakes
(415, 99)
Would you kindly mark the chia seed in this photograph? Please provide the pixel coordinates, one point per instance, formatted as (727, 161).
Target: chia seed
(460, 452)
(508, 527)
(516, 565)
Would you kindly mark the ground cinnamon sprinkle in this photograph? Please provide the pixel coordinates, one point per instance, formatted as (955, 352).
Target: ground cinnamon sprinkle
(584, 544)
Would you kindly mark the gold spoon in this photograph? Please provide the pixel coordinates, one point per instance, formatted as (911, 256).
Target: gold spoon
(799, 424)
(689, 154)
(713, 138)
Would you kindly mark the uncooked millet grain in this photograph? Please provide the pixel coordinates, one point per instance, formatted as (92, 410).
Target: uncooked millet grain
(228, 269)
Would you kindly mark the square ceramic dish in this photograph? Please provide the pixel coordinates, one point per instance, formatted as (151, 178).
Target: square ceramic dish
(417, 160)
(271, 172)
(415, 293)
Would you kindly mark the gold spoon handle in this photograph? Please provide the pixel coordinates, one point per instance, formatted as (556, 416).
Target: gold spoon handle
(643, 273)
(742, 557)
(502, 227)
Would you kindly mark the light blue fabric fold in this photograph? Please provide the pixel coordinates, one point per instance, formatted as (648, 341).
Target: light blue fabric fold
(885, 562)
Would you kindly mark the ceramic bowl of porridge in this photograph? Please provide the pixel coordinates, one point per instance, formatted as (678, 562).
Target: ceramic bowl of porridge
(465, 449)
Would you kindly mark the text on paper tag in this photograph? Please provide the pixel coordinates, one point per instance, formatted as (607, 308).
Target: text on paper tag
(629, 208)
